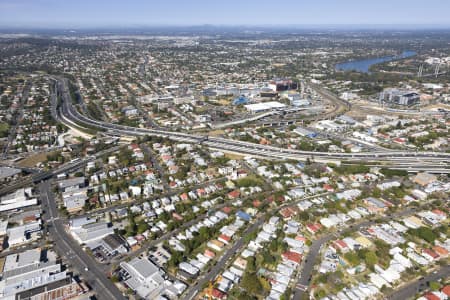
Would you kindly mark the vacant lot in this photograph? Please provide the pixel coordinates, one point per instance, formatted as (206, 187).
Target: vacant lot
(32, 160)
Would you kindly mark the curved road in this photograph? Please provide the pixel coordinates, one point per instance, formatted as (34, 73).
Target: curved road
(412, 161)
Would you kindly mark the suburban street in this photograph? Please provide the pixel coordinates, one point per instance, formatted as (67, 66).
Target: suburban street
(217, 268)
(18, 118)
(69, 248)
(236, 248)
(149, 152)
(310, 260)
(411, 289)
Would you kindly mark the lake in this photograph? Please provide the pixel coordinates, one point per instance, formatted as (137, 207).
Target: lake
(364, 65)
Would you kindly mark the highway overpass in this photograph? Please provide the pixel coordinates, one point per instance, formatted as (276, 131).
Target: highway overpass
(406, 160)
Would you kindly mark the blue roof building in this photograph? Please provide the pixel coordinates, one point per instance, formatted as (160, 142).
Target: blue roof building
(243, 215)
(240, 100)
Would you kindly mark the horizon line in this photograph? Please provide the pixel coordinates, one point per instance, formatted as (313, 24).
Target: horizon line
(235, 26)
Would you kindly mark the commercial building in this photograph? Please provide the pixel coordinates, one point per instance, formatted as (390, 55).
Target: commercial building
(72, 184)
(143, 277)
(305, 132)
(91, 234)
(399, 97)
(240, 100)
(34, 274)
(75, 200)
(65, 288)
(282, 85)
(264, 106)
(113, 244)
(19, 199)
(23, 234)
(424, 179)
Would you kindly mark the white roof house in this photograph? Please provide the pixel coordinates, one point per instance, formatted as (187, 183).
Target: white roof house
(377, 280)
(188, 268)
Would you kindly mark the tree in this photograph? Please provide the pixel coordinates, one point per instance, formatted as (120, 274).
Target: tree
(251, 264)
(444, 229)
(370, 259)
(265, 284)
(391, 172)
(249, 181)
(142, 226)
(352, 169)
(4, 130)
(352, 258)
(435, 286)
(376, 193)
(251, 283)
(273, 246)
(175, 259)
(424, 233)
(319, 294)
(304, 216)
(131, 228)
(204, 233)
(267, 257)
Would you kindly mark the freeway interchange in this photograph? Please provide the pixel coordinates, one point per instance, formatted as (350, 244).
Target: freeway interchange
(410, 161)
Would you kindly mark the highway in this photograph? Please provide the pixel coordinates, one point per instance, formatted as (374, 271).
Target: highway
(341, 106)
(71, 250)
(406, 160)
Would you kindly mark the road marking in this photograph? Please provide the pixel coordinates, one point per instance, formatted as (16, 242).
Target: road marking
(70, 250)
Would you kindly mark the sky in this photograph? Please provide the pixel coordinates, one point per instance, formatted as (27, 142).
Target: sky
(134, 13)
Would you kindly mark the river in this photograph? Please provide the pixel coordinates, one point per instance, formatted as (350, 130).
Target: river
(364, 65)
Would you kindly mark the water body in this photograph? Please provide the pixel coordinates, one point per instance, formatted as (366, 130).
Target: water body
(364, 65)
